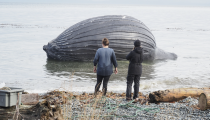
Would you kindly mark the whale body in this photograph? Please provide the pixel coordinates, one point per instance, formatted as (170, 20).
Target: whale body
(81, 41)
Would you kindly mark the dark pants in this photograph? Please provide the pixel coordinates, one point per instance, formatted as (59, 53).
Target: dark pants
(130, 79)
(99, 81)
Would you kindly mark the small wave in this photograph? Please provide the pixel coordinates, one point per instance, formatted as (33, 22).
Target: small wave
(191, 57)
(29, 26)
(175, 28)
(178, 29)
(172, 83)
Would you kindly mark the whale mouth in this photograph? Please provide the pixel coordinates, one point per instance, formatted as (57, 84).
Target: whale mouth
(45, 48)
(51, 50)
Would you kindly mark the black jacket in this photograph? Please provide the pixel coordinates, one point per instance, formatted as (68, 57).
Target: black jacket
(136, 58)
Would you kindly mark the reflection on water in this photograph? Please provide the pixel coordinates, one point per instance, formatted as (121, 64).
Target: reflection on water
(67, 68)
(79, 76)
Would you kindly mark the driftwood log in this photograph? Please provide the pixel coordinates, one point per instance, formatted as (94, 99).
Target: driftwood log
(204, 101)
(172, 95)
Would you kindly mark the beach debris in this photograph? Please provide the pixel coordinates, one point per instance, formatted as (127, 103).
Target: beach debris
(24, 92)
(5, 88)
(62, 105)
(171, 95)
(29, 99)
(50, 112)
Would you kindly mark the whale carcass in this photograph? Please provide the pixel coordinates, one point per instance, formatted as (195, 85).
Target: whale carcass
(80, 41)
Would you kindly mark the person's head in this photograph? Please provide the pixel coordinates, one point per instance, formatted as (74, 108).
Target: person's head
(105, 42)
(137, 43)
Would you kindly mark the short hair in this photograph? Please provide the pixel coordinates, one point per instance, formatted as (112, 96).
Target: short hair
(105, 41)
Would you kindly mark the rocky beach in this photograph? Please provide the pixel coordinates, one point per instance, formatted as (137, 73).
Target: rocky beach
(60, 105)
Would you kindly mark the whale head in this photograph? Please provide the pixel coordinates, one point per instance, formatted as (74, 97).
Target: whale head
(51, 49)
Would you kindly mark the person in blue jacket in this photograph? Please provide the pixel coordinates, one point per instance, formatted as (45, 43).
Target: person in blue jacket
(104, 59)
(134, 70)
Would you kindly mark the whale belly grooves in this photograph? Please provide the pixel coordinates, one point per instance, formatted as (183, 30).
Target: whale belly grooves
(80, 41)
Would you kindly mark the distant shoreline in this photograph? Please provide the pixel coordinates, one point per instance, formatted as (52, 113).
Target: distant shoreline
(105, 5)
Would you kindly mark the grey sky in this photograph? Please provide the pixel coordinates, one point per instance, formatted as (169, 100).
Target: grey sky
(198, 3)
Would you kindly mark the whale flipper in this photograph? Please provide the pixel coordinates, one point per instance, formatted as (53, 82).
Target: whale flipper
(161, 55)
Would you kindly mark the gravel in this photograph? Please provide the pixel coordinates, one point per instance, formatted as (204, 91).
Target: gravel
(181, 110)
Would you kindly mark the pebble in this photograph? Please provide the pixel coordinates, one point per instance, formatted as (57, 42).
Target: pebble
(180, 110)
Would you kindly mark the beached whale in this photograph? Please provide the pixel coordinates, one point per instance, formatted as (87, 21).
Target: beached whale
(80, 41)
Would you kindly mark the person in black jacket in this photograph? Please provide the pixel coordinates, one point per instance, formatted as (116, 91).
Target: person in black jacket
(134, 70)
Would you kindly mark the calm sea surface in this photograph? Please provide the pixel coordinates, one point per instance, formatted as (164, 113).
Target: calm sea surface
(25, 28)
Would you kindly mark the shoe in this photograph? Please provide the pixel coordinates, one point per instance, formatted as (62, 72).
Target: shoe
(128, 99)
(136, 100)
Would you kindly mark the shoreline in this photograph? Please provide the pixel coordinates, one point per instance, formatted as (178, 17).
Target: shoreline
(114, 106)
(41, 92)
(67, 105)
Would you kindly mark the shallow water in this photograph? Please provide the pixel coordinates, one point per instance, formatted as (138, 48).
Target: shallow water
(25, 28)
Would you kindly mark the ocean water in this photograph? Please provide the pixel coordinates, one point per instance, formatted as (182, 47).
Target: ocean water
(25, 28)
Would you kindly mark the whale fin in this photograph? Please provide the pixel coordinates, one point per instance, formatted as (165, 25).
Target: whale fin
(161, 55)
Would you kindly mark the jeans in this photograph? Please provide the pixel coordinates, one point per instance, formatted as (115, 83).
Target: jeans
(130, 79)
(98, 84)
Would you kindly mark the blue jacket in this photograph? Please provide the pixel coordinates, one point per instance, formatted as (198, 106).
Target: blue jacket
(105, 58)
